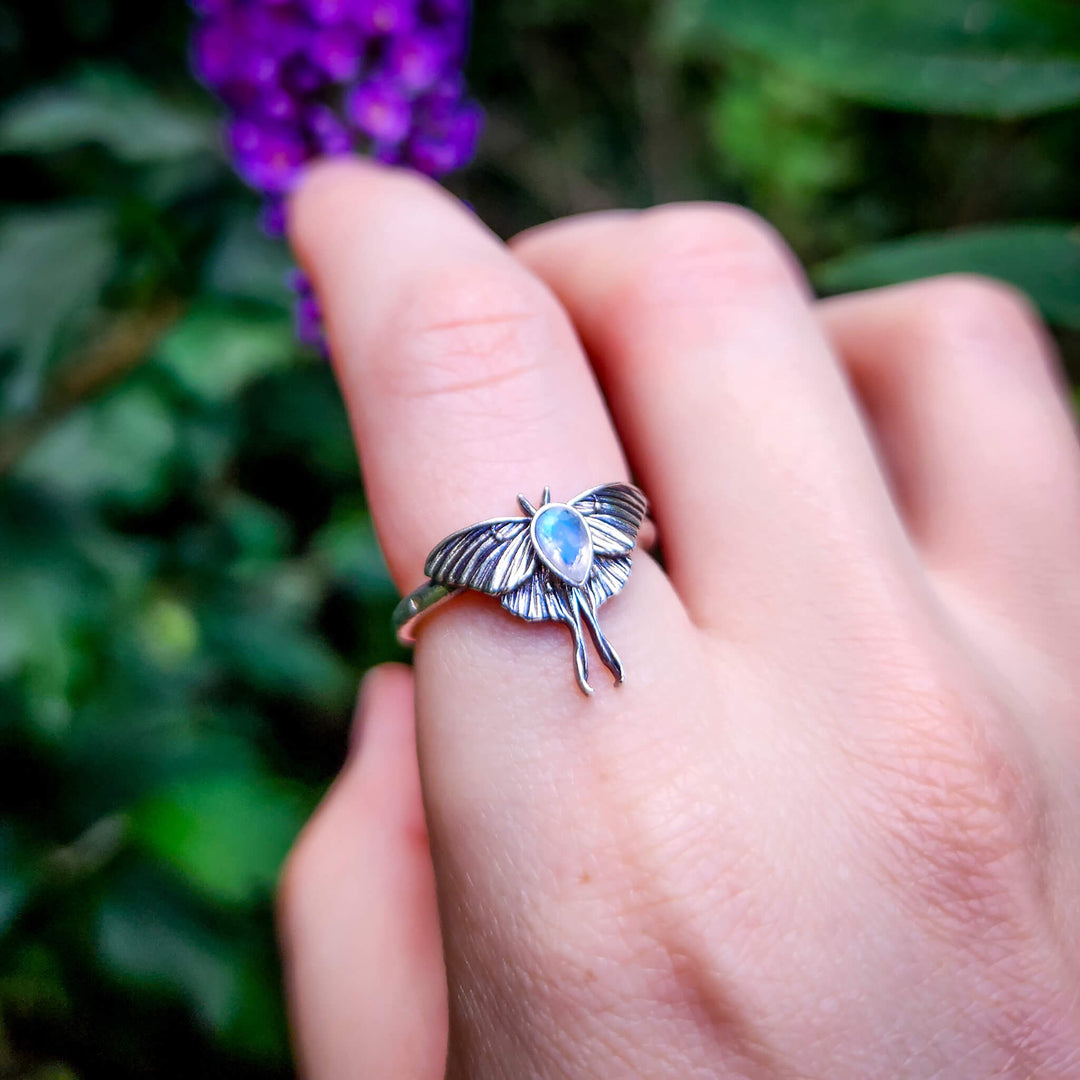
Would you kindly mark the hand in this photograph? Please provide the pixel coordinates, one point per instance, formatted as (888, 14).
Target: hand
(828, 826)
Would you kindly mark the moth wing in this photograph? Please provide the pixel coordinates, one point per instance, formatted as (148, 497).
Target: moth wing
(493, 557)
(613, 514)
(606, 578)
(538, 599)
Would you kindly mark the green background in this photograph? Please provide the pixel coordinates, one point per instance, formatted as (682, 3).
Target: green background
(189, 584)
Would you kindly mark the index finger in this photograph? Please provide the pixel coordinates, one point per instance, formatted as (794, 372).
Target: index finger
(464, 381)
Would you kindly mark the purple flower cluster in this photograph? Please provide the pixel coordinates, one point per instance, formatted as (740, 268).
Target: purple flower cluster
(305, 79)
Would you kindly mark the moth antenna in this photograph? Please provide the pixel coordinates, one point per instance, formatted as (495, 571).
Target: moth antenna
(547, 496)
(526, 506)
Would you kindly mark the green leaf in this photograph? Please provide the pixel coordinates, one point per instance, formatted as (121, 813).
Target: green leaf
(37, 637)
(301, 411)
(992, 58)
(227, 834)
(52, 601)
(257, 1026)
(149, 937)
(118, 447)
(216, 351)
(168, 632)
(247, 264)
(12, 895)
(53, 266)
(128, 119)
(32, 975)
(791, 145)
(260, 532)
(13, 884)
(162, 947)
(351, 551)
(1042, 260)
(276, 653)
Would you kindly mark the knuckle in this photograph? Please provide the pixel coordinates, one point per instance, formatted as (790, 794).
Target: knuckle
(956, 815)
(700, 253)
(1038, 1030)
(968, 309)
(465, 330)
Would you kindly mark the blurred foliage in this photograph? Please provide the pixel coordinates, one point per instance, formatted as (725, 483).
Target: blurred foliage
(190, 585)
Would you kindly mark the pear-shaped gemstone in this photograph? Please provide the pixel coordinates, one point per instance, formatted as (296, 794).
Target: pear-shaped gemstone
(563, 542)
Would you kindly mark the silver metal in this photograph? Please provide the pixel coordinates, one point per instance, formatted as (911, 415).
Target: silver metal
(532, 572)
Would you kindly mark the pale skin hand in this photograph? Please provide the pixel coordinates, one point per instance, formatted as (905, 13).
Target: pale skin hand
(828, 826)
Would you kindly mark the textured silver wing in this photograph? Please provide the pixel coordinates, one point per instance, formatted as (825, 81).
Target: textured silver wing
(493, 557)
(613, 514)
(607, 577)
(541, 597)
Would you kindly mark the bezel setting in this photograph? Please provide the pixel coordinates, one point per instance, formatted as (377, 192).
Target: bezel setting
(543, 556)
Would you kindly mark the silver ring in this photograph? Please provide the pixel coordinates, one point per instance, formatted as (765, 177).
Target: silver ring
(559, 562)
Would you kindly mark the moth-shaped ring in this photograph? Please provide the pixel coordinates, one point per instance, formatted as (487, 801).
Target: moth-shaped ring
(559, 562)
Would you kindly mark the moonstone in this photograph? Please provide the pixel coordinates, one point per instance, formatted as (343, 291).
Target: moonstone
(563, 541)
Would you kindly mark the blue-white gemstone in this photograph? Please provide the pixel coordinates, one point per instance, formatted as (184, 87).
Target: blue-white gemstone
(563, 542)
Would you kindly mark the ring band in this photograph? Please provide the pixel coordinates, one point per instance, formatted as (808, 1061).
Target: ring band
(558, 562)
(417, 603)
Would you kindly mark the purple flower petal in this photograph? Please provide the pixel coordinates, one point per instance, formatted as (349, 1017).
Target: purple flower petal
(388, 153)
(308, 320)
(380, 110)
(268, 156)
(338, 52)
(385, 17)
(330, 136)
(213, 54)
(446, 9)
(299, 282)
(328, 12)
(441, 103)
(258, 67)
(212, 8)
(304, 79)
(442, 148)
(277, 103)
(308, 316)
(272, 219)
(415, 61)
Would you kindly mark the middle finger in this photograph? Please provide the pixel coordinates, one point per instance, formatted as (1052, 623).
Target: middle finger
(731, 405)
